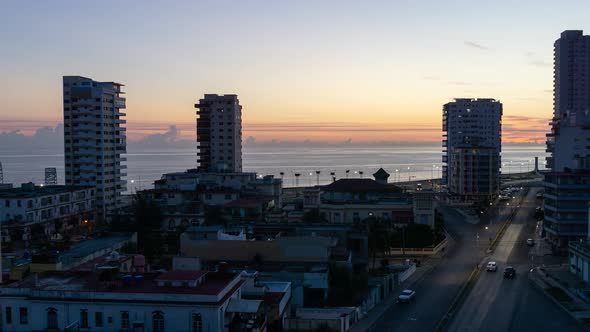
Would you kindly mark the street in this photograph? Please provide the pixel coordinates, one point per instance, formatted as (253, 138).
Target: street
(498, 304)
(436, 291)
(494, 304)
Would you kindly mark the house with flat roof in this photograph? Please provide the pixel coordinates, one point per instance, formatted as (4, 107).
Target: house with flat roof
(105, 300)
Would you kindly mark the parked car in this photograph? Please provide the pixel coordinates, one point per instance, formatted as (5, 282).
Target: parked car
(539, 195)
(530, 242)
(509, 272)
(492, 266)
(406, 296)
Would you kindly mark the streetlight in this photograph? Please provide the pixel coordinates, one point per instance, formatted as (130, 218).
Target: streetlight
(317, 173)
(397, 175)
(347, 171)
(361, 174)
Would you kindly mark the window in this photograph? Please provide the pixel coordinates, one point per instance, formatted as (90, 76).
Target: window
(24, 315)
(98, 319)
(125, 319)
(197, 321)
(227, 197)
(8, 315)
(84, 318)
(157, 321)
(52, 318)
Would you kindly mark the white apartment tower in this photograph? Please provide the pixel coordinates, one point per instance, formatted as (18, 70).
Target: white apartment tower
(94, 138)
(567, 185)
(219, 133)
(471, 147)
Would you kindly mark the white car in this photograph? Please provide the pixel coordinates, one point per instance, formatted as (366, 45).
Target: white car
(492, 266)
(530, 242)
(406, 296)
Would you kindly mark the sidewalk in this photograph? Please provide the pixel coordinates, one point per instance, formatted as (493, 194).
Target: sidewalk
(560, 286)
(367, 322)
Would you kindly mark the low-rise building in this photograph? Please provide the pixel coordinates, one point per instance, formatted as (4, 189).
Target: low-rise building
(51, 208)
(301, 260)
(104, 300)
(184, 197)
(579, 253)
(80, 253)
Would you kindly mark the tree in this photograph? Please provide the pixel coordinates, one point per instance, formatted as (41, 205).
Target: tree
(214, 215)
(378, 236)
(313, 216)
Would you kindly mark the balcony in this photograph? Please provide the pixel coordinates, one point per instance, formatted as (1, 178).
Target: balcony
(85, 152)
(85, 127)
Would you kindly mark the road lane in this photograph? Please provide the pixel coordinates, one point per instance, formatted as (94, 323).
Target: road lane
(438, 289)
(495, 304)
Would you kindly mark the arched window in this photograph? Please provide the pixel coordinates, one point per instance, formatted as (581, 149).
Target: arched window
(157, 321)
(197, 321)
(52, 318)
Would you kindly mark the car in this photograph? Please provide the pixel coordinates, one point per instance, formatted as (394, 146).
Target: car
(509, 272)
(406, 296)
(530, 242)
(503, 198)
(539, 195)
(492, 266)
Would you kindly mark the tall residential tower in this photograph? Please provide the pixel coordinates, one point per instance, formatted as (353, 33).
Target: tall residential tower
(94, 138)
(567, 185)
(471, 148)
(219, 133)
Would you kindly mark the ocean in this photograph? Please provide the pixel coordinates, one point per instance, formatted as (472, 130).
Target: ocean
(411, 162)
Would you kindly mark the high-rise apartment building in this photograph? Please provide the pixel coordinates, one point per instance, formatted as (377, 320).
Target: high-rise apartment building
(219, 133)
(567, 185)
(471, 148)
(94, 138)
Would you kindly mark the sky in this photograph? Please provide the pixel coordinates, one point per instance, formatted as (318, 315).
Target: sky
(326, 71)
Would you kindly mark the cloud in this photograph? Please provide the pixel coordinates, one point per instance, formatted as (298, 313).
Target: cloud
(476, 45)
(460, 83)
(170, 138)
(431, 78)
(44, 138)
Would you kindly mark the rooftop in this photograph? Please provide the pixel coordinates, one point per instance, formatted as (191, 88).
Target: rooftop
(213, 283)
(360, 185)
(30, 191)
(88, 247)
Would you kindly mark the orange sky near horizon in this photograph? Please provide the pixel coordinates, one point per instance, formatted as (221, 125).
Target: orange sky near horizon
(327, 71)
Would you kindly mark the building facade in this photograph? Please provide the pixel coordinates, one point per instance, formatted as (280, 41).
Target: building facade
(22, 209)
(195, 301)
(94, 138)
(567, 185)
(219, 133)
(471, 148)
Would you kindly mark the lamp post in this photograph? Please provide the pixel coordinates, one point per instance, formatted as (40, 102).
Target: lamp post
(361, 174)
(396, 178)
(333, 174)
(409, 174)
(317, 174)
(347, 171)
